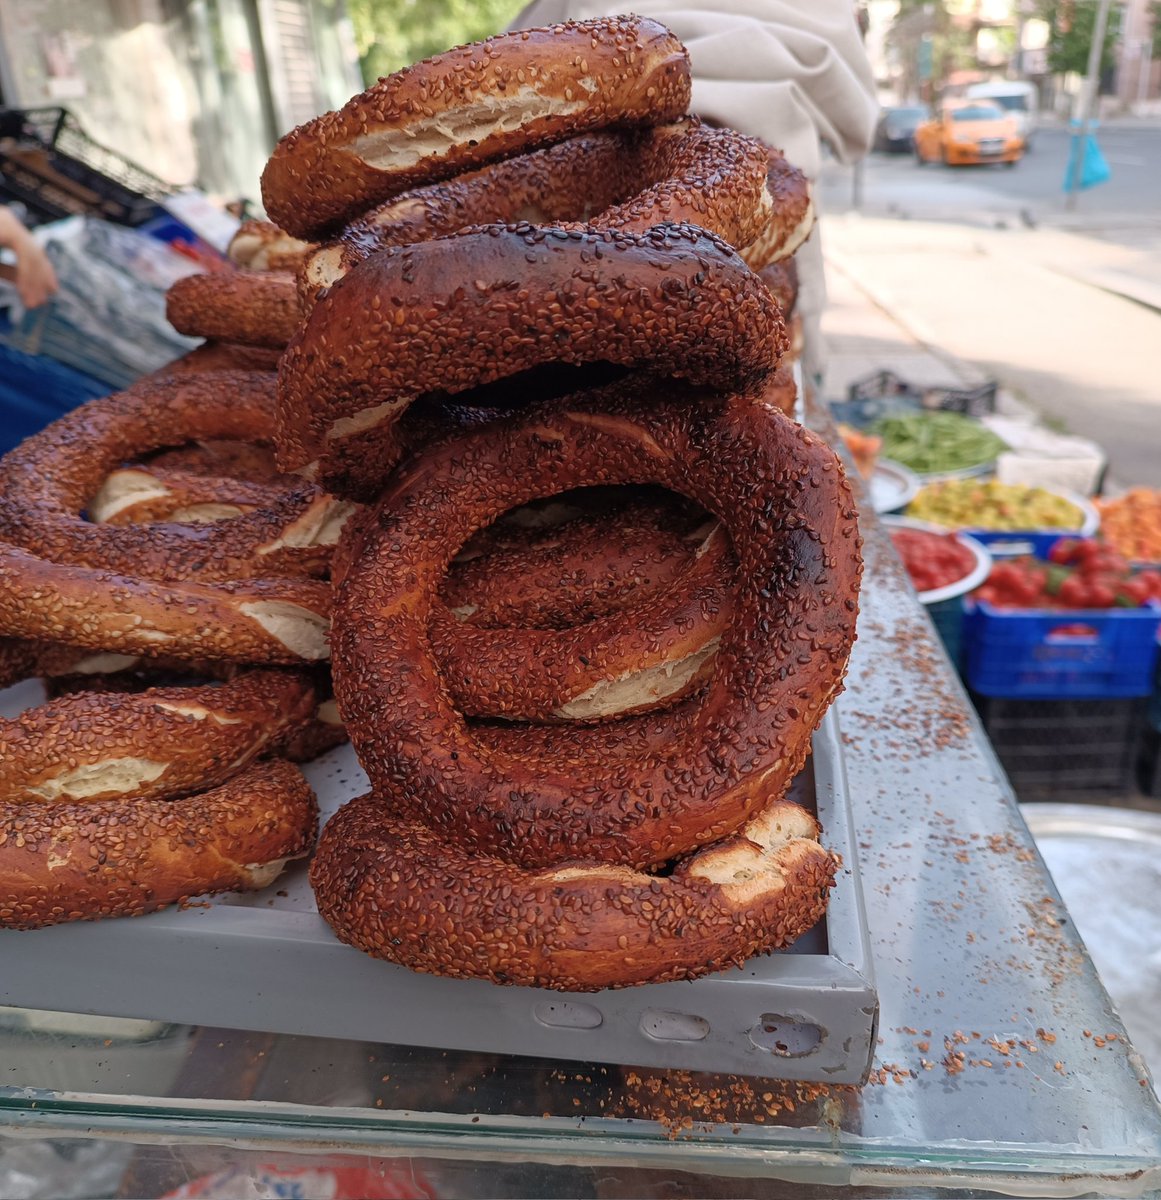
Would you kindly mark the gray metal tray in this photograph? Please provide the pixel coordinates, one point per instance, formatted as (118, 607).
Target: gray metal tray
(267, 961)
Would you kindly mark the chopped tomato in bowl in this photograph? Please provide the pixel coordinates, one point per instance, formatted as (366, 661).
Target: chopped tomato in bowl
(941, 564)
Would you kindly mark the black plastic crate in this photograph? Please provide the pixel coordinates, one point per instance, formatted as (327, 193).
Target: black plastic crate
(885, 394)
(51, 166)
(1054, 749)
(1149, 763)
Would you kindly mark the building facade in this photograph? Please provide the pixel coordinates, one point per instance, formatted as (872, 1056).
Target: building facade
(195, 91)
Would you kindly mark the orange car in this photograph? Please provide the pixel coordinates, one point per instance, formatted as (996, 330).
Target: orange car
(969, 131)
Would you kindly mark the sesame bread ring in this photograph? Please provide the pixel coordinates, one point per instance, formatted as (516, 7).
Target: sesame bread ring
(781, 278)
(283, 621)
(617, 179)
(49, 479)
(156, 744)
(792, 521)
(255, 308)
(262, 246)
(647, 654)
(492, 302)
(225, 356)
(112, 858)
(399, 891)
(472, 105)
(67, 672)
(144, 494)
(792, 214)
(251, 462)
(605, 546)
(780, 390)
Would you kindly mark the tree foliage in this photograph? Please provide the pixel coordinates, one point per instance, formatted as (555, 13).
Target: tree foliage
(393, 33)
(952, 44)
(1072, 24)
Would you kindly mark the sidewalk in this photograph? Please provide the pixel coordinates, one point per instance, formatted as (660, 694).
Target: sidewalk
(865, 329)
(1024, 306)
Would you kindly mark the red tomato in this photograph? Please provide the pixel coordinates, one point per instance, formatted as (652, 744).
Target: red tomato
(933, 560)
(1152, 581)
(1134, 590)
(1064, 551)
(1073, 592)
(1101, 594)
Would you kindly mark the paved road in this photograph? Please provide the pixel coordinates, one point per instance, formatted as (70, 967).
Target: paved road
(1030, 192)
(986, 265)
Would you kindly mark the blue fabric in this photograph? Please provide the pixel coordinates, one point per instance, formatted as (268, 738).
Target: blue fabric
(34, 391)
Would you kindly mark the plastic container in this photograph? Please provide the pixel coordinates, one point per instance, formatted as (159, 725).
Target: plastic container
(56, 170)
(267, 961)
(1016, 543)
(884, 393)
(1075, 654)
(1053, 748)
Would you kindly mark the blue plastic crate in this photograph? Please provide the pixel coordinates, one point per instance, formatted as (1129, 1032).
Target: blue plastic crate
(1079, 654)
(947, 617)
(1008, 543)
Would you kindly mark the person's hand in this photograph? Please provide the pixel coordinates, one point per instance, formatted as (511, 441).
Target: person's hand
(33, 274)
(35, 279)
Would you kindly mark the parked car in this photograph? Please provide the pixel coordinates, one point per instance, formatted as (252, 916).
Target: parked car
(969, 131)
(896, 127)
(1020, 99)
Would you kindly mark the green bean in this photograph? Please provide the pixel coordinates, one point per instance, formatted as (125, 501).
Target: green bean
(936, 442)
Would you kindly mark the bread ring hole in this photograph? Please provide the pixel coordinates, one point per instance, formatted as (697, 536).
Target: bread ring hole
(577, 556)
(542, 383)
(666, 1026)
(787, 1037)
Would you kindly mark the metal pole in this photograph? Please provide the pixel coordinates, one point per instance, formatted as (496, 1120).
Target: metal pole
(1087, 96)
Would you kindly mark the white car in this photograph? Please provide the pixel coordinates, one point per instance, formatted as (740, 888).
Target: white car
(1018, 100)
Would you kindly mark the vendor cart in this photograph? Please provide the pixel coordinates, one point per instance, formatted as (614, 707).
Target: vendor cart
(999, 1063)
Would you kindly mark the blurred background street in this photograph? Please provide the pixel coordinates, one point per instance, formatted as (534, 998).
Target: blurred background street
(985, 271)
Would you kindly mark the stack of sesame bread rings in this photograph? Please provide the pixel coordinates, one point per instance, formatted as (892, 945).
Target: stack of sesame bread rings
(504, 397)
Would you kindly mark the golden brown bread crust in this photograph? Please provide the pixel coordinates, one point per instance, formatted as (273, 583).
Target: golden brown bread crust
(224, 458)
(616, 179)
(255, 308)
(109, 858)
(791, 214)
(262, 246)
(780, 663)
(579, 557)
(489, 303)
(157, 744)
(402, 892)
(47, 481)
(263, 621)
(648, 653)
(224, 356)
(781, 278)
(472, 105)
(780, 390)
(146, 494)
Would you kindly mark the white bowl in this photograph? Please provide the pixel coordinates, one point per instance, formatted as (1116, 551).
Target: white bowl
(959, 587)
(892, 486)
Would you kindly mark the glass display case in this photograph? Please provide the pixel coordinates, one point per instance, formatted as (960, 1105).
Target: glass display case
(1000, 1065)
